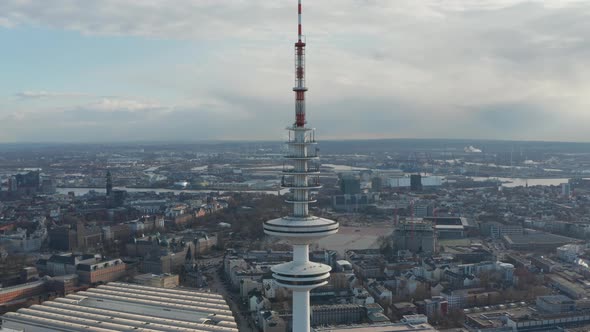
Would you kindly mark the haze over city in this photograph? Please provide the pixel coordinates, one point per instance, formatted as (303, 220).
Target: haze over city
(78, 71)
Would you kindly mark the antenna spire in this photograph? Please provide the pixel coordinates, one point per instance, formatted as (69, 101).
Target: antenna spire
(299, 17)
(300, 88)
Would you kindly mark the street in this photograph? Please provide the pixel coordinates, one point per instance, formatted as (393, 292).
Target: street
(217, 285)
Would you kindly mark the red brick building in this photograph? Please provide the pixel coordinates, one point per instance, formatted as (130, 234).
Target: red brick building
(21, 292)
(105, 271)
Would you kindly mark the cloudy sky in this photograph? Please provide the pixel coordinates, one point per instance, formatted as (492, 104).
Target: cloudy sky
(134, 70)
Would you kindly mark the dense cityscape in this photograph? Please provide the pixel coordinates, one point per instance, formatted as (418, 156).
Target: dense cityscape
(185, 219)
(450, 235)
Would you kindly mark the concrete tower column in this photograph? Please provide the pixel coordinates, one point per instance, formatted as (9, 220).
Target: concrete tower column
(301, 311)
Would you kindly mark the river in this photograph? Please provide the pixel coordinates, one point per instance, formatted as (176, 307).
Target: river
(83, 191)
(506, 182)
(518, 182)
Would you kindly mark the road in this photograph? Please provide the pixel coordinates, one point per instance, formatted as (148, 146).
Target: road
(217, 285)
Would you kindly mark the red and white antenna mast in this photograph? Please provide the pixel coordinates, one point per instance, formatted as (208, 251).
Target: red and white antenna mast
(300, 88)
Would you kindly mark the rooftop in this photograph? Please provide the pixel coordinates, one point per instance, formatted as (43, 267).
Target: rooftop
(403, 305)
(387, 327)
(135, 307)
(555, 299)
(537, 238)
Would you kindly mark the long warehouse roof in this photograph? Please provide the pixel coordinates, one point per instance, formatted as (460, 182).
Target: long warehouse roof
(125, 307)
(182, 291)
(158, 297)
(194, 297)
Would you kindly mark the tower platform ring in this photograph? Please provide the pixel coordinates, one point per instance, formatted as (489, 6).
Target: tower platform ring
(293, 201)
(300, 287)
(294, 128)
(295, 172)
(312, 186)
(301, 143)
(305, 282)
(303, 274)
(295, 157)
(302, 230)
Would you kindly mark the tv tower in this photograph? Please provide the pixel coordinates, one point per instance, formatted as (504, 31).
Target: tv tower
(301, 228)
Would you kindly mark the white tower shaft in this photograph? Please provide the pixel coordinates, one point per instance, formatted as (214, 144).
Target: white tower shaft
(301, 311)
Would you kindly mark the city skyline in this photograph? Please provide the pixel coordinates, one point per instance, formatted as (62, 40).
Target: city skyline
(123, 71)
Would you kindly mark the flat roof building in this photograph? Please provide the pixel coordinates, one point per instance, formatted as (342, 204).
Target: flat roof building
(124, 307)
(414, 323)
(158, 280)
(537, 241)
(450, 227)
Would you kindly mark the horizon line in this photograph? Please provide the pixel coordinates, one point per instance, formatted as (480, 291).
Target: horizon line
(197, 141)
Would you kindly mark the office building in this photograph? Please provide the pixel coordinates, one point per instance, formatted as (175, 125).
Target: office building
(416, 182)
(415, 235)
(350, 184)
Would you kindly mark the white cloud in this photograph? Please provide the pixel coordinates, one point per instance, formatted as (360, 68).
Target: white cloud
(47, 94)
(118, 105)
(253, 19)
(449, 64)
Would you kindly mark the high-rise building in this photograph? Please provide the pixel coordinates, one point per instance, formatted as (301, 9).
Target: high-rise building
(376, 184)
(301, 228)
(25, 184)
(415, 235)
(350, 184)
(109, 183)
(416, 182)
(565, 189)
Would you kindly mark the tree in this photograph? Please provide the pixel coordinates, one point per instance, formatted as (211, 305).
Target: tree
(385, 245)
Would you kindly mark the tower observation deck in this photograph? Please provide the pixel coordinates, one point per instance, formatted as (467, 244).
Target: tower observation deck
(301, 228)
